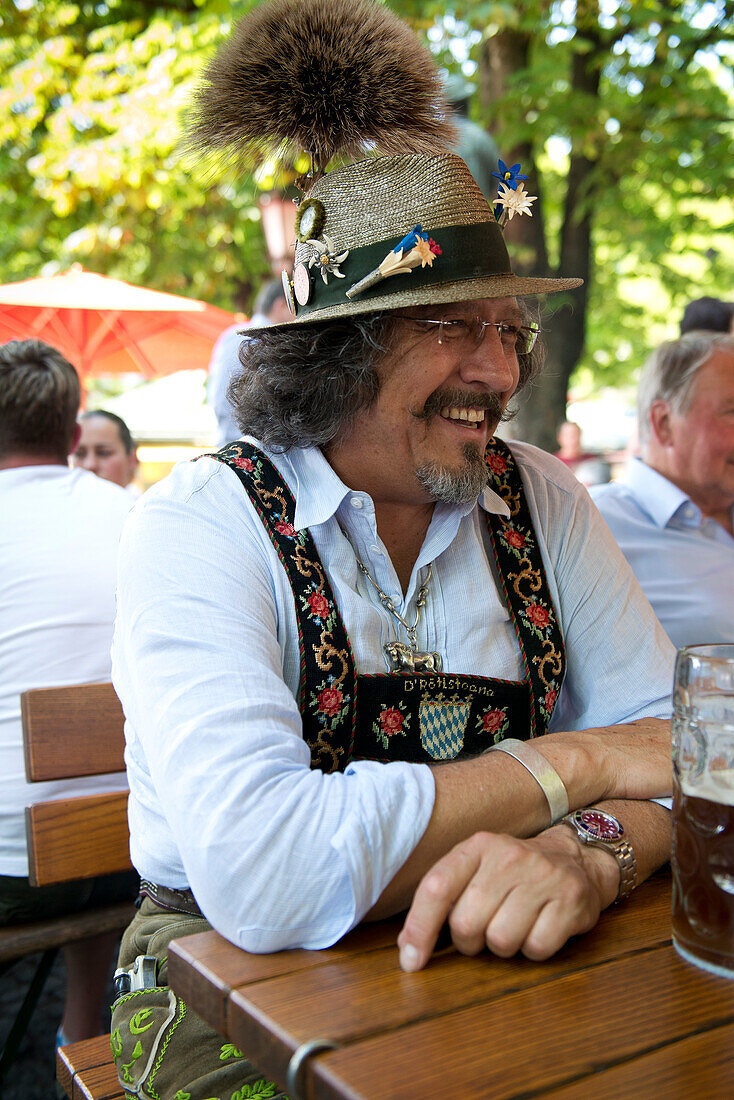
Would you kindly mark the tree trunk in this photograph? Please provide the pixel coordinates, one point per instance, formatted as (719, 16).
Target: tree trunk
(544, 408)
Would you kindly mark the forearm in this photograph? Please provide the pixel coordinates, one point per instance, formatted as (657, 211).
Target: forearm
(494, 793)
(647, 827)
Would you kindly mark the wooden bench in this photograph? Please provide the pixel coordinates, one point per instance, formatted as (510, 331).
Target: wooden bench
(71, 732)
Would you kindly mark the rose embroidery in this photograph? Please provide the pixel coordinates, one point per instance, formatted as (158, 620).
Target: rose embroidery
(493, 723)
(284, 528)
(497, 464)
(244, 464)
(319, 605)
(391, 721)
(514, 538)
(329, 701)
(492, 720)
(550, 699)
(537, 615)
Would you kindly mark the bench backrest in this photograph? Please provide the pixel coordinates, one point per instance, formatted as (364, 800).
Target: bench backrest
(70, 732)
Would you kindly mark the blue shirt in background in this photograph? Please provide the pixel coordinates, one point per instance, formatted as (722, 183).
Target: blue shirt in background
(683, 560)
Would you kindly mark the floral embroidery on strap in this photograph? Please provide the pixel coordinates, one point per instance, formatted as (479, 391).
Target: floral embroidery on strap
(327, 709)
(392, 721)
(494, 723)
(523, 577)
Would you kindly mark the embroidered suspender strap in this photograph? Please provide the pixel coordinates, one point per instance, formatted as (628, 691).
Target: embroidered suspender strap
(327, 684)
(520, 567)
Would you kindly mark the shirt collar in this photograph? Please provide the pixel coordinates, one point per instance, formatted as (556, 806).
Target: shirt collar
(319, 490)
(662, 499)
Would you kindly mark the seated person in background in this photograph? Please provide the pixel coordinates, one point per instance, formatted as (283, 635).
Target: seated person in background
(672, 511)
(710, 314)
(594, 471)
(569, 450)
(107, 449)
(323, 629)
(58, 552)
(270, 309)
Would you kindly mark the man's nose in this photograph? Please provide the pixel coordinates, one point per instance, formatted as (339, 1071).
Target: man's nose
(489, 363)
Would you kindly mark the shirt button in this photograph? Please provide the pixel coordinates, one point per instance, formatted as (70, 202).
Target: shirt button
(356, 503)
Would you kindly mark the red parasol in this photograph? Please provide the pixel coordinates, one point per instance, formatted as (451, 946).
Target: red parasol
(107, 326)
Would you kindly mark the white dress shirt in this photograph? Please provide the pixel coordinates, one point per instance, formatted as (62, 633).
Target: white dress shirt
(59, 533)
(205, 660)
(683, 560)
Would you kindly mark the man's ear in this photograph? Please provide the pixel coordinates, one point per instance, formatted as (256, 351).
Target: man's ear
(660, 417)
(75, 438)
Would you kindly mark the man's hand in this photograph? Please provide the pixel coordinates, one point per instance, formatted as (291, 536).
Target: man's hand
(509, 895)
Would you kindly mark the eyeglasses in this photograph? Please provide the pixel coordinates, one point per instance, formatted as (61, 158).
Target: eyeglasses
(518, 338)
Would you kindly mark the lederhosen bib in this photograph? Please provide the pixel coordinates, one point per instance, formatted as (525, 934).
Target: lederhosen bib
(393, 716)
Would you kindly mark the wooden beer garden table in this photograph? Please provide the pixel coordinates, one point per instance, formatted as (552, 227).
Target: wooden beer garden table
(616, 1014)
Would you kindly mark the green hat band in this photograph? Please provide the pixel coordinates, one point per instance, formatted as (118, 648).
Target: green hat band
(467, 252)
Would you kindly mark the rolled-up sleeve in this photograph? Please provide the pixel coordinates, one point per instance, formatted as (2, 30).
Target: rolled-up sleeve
(223, 797)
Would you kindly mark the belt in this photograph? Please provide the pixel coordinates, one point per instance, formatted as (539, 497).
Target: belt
(177, 901)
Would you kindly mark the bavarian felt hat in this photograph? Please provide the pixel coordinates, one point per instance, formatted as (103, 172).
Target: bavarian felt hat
(346, 79)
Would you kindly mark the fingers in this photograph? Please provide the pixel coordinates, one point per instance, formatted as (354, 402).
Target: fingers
(508, 894)
(433, 900)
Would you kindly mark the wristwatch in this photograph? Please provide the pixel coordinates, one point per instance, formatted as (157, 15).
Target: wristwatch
(602, 830)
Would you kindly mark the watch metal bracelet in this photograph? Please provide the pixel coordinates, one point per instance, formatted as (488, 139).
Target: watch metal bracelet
(620, 848)
(544, 774)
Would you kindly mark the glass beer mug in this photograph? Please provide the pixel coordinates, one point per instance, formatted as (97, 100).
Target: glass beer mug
(703, 807)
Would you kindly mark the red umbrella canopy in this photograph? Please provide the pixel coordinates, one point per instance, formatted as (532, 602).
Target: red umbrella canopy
(107, 326)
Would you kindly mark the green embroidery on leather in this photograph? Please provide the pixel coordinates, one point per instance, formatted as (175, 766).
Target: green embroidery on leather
(260, 1090)
(149, 1084)
(137, 1027)
(229, 1051)
(116, 1043)
(137, 1053)
(181, 1095)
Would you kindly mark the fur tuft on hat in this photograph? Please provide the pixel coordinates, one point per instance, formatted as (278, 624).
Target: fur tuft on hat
(323, 76)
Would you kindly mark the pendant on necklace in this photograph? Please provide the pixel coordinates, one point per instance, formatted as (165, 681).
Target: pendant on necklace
(404, 659)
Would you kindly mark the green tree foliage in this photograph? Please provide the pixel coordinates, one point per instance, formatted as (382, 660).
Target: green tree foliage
(91, 166)
(618, 109)
(637, 97)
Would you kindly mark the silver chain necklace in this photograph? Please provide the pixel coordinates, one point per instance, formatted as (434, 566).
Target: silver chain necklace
(404, 658)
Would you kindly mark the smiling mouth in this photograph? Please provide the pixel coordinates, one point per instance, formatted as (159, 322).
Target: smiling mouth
(471, 417)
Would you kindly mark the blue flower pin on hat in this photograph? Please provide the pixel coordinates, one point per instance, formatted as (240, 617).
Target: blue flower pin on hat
(512, 198)
(416, 248)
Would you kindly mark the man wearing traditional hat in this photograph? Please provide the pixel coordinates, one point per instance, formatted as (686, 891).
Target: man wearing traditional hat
(327, 630)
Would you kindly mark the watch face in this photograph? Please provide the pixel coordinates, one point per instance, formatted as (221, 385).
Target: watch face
(599, 825)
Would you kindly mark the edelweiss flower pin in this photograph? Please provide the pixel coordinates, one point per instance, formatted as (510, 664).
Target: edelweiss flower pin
(415, 248)
(512, 197)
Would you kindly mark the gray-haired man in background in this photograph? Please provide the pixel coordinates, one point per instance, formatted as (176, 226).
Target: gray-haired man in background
(672, 512)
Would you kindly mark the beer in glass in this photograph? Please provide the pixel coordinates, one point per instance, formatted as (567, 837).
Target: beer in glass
(703, 807)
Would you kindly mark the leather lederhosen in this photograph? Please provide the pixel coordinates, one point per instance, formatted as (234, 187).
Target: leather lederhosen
(393, 716)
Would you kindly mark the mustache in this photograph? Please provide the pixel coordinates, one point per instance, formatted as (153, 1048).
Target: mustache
(460, 399)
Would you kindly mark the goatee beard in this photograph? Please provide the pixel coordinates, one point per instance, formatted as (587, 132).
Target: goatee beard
(460, 485)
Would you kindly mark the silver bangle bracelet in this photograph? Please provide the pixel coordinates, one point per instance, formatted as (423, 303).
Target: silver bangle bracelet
(544, 774)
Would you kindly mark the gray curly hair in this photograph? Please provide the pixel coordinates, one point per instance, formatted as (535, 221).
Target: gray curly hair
(304, 385)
